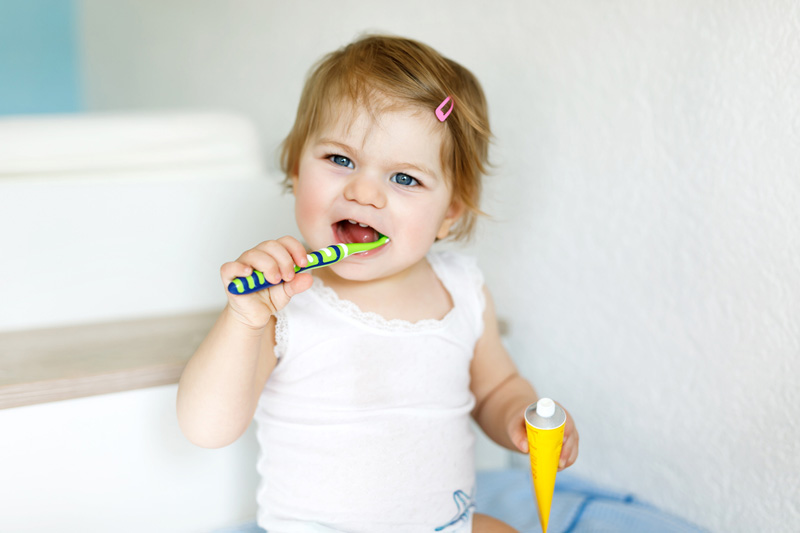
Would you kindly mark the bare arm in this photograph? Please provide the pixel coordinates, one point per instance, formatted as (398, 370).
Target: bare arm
(220, 386)
(501, 394)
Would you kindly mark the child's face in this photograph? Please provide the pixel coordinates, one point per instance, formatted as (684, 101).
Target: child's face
(385, 173)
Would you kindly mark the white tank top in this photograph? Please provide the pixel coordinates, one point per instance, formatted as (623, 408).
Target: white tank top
(364, 422)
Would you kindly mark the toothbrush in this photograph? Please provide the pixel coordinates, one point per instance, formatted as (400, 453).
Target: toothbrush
(321, 258)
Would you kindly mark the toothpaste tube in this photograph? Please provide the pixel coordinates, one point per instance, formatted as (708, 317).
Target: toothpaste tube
(545, 422)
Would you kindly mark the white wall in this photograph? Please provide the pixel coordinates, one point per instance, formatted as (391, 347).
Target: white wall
(107, 216)
(646, 191)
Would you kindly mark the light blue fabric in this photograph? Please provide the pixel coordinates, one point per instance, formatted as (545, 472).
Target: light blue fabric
(579, 506)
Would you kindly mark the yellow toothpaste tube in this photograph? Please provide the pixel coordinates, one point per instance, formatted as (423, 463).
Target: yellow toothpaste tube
(545, 423)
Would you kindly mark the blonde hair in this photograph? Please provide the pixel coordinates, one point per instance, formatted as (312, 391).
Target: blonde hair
(383, 70)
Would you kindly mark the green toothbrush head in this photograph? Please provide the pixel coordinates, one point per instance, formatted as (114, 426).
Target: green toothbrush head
(361, 247)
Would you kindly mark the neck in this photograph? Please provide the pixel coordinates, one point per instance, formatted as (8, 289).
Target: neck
(412, 295)
(400, 281)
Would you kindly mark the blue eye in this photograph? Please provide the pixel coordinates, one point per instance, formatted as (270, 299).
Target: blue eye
(341, 161)
(404, 179)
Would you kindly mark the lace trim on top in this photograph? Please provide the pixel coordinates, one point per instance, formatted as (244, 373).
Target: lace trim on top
(281, 334)
(376, 321)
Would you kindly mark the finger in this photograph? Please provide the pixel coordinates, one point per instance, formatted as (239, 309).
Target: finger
(562, 460)
(262, 261)
(283, 259)
(569, 452)
(296, 250)
(575, 446)
(522, 444)
(573, 456)
(300, 283)
(278, 297)
(519, 434)
(568, 456)
(234, 269)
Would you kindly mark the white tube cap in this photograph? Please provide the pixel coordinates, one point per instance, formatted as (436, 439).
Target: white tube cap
(545, 407)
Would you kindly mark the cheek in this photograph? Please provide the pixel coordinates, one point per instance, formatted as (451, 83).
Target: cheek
(308, 205)
(300, 202)
(422, 222)
(311, 188)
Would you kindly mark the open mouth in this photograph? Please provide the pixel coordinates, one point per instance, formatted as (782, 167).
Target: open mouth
(350, 231)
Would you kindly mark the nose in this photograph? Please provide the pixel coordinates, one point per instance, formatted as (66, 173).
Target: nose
(366, 190)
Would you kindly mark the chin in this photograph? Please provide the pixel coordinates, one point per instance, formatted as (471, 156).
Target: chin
(351, 272)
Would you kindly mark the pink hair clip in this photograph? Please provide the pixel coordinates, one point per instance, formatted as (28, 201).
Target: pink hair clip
(442, 115)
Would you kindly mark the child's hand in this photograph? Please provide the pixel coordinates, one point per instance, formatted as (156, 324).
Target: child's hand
(276, 260)
(518, 433)
(569, 450)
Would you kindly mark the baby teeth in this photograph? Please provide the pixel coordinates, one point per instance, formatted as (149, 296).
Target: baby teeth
(359, 223)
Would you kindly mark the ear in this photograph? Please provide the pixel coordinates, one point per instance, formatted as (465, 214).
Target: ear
(294, 179)
(452, 215)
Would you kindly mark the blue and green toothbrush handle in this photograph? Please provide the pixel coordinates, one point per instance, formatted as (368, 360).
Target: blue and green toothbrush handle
(321, 258)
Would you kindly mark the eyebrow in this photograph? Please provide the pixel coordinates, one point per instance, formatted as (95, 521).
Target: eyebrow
(399, 164)
(342, 146)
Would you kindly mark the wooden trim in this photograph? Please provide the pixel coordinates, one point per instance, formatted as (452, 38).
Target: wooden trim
(46, 365)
